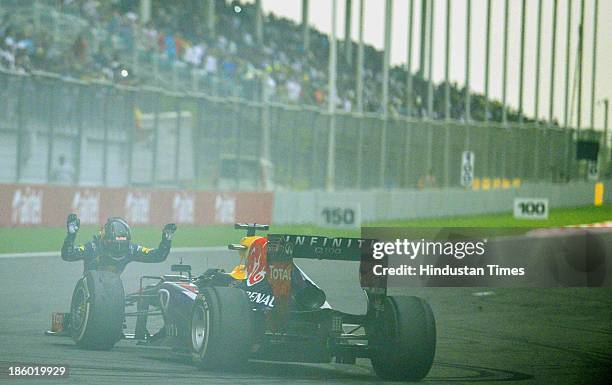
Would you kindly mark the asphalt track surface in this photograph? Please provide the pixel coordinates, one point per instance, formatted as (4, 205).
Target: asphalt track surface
(551, 336)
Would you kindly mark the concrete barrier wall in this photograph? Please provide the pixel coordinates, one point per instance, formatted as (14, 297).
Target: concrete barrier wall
(48, 205)
(301, 207)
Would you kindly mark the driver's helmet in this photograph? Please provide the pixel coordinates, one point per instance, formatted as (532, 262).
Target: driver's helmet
(115, 238)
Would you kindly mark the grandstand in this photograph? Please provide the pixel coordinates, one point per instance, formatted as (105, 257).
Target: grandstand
(105, 41)
(101, 81)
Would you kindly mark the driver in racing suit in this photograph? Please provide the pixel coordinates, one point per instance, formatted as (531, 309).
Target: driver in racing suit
(111, 249)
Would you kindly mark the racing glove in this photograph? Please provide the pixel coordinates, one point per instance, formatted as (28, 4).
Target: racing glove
(168, 232)
(72, 224)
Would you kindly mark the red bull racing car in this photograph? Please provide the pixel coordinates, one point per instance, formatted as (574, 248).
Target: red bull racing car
(266, 308)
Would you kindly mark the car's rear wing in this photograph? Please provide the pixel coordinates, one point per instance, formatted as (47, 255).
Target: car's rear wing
(284, 248)
(289, 246)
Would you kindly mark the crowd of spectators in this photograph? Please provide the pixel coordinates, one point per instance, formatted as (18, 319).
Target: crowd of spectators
(114, 45)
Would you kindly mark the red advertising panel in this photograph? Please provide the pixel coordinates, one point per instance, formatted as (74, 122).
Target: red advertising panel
(43, 205)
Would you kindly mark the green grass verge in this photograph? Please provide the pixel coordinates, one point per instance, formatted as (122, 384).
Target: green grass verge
(22, 239)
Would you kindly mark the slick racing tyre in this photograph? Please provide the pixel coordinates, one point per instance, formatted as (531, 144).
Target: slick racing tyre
(221, 325)
(403, 342)
(97, 310)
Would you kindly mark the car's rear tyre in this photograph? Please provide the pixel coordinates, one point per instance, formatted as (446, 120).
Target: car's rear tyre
(403, 342)
(97, 310)
(221, 329)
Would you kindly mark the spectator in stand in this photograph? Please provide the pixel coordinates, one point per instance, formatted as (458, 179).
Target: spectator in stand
(211, 63)
(63, 172)
(294, 90)
(169, 46)
(7, 55)
(79, 52)
(194, 55)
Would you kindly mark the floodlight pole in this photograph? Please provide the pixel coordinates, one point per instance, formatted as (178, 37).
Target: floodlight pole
(468, 28)
(522, 63)
(258, 23)
(348, 46)
(305, 31)
(360, 60)
(606, 110)
(536, 107)
(430, 111)
(359, 82)
(447, 63)
(594, 63)
(210, 18)
(487, 59)
(145, 11)
(505, 67)
(359, 159)
(409, 59)
(423, 39)
(580, 57)
(386, 58)
(567, 63)
(385, 96)
(331, 103)
(604, 153)
(553, 51)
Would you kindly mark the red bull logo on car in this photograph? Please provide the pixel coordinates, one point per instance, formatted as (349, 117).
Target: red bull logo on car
(257, 264)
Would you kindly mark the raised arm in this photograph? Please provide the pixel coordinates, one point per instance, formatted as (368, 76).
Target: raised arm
(144, 254)
(70, 252)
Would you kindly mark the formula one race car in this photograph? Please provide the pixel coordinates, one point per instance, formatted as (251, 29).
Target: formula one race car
(266, 309)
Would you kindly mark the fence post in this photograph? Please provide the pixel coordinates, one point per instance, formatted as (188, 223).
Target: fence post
(237, 129)
(175, 77)
(130, 122)
(197, 138)
(55, 27)
(157, 104)
(265, 127)
(20, 128)
(292, 162)
(177, 144)
(359, 151)
(50, 133)
(383, 153)
(568, 161)
(536, 161)
(135, 65)
(549, 155)
(517, 165)
(315, 152)
(487, 153)
(504, 151)
(156, 68)
(467, 144)
(36, 16)
(105, 144)
(79, 111)
(194, 79)
(429, 160)
(331, 153)
(406, 153)
(446, 153)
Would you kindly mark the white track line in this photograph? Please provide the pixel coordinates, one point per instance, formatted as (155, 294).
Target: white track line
(174, 250)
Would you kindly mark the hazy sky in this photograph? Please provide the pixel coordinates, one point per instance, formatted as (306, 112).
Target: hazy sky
(320, 17)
